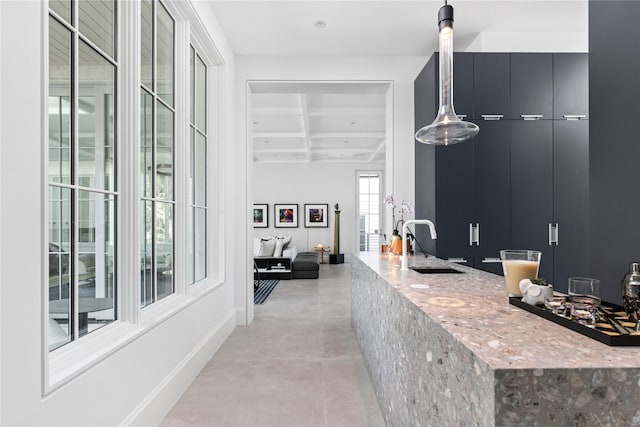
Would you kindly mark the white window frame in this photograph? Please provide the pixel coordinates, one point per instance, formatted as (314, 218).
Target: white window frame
(380, 174)
(71, 360)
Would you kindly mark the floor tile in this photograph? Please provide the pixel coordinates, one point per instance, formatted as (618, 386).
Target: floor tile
(297, 364)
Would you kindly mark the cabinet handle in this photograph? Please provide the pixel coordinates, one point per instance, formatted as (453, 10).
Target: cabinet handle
(491, 260)
(557, 239)
(457, 260)
(492, 116)
(531, 116)
(574, 116)
(462, 116)
(474, 234)
(553, 234)
(470, 234)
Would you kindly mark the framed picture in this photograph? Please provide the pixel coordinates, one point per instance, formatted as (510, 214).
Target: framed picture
(260, 216)
(316, 215)
(286, 216)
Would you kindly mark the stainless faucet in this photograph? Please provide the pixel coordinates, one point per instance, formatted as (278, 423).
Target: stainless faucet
(432, 229)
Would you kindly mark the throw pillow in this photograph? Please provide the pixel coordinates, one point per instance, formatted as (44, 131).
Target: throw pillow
(285, 240)
(278, 250)
(267, 248)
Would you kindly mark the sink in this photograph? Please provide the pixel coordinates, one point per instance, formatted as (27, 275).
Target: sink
(435, 270)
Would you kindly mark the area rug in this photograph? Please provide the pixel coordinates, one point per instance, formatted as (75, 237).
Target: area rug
(264, 290)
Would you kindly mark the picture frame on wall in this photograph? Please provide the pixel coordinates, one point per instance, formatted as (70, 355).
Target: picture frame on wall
(260, 215)
(286, 215)
(316, 215)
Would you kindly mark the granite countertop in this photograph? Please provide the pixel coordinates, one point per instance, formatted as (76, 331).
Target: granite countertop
(474, 308)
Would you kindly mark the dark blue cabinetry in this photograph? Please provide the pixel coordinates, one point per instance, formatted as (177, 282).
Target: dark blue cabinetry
(522, 182)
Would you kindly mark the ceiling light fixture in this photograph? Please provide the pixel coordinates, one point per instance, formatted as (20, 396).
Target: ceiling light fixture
(447, 128)
(320, 24)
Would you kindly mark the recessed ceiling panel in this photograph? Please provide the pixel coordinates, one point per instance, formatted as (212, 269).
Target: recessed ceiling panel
(345, 124)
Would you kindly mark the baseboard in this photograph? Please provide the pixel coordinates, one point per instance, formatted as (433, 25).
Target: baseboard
(152, 410)
(241, 316)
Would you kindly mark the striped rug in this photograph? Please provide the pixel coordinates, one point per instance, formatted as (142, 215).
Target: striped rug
(265, 288)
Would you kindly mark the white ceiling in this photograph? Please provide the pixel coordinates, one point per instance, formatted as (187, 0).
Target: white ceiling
(372, 27)
(318, 122)
(310, 122)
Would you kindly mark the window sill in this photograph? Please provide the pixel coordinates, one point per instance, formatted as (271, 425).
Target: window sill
(71, 360)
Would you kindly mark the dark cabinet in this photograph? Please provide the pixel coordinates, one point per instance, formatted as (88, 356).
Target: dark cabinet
(531, 85)
(570, 85)
(532, 189)
(491, 91)
(491, 182)
(454, 200)
(463, 84)
(519, 184)
(571, 200)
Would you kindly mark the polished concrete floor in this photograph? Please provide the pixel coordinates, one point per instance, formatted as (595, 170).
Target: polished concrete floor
(297, 364)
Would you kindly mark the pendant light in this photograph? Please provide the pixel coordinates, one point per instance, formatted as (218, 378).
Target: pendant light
(447, 128)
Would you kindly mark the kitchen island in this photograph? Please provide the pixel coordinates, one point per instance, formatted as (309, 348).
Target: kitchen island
(449, 350)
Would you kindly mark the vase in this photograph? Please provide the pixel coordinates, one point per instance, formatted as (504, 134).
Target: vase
(396, 243)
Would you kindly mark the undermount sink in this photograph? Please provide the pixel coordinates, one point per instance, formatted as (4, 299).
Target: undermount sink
(435, 270)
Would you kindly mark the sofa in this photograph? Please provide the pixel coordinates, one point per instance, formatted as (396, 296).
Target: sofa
(304, 265)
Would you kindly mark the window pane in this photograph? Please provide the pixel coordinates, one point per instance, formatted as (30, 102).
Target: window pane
(62, 8)
(59, 108)
(96, 243)
(146, 43)
(164, 249)
(165, 54)
(146, 253)
(200, 175)
(146, 144)
(200, 243)
(97, 19)
(95, 118)
(190, 247)
(164, 153)
(59, 266)
(201, 95)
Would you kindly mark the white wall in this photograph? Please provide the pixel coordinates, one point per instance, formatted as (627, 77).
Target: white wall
(310, 183)
(529, 42)
(139, 380)
(398, 70)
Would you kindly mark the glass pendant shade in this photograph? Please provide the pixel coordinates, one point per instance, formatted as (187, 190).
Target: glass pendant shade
(447, 128)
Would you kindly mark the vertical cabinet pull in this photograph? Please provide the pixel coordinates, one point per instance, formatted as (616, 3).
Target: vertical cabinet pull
(470, 234)
(553, 234)
(474, 234)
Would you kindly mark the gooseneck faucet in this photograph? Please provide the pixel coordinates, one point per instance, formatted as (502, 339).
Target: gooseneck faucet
(432, 229)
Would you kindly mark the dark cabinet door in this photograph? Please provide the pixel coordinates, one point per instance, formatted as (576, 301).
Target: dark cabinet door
(463, 84)
(570, 84)
(532, 189)
(491, 85)
(492, 187)
(531, 85)
(571, 200)
(454, 199)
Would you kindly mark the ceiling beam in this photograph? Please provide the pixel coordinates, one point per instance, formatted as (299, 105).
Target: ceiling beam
(305, 124)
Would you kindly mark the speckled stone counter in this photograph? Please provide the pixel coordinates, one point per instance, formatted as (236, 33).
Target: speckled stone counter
(457, 354)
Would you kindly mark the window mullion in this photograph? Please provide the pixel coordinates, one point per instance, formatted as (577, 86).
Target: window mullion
(75, 96)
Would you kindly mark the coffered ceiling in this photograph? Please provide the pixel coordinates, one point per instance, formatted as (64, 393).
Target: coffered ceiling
(318, 122)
